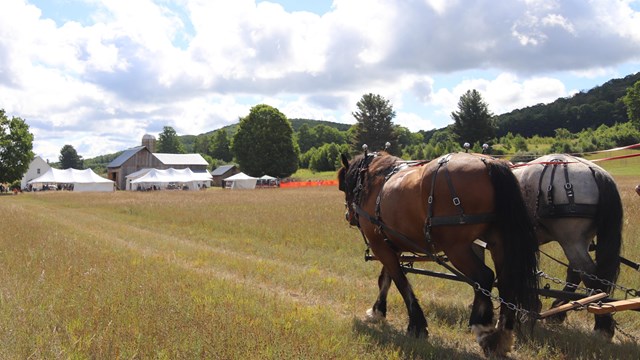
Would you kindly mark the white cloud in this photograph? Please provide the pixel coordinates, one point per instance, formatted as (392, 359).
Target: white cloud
(133, 67)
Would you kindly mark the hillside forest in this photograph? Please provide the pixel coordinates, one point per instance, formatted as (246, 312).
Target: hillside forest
(588, 121)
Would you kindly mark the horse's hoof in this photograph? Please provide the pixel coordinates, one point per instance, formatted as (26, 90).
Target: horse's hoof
(418, 333)
(375, 315)
(494, 342)
(604, 334)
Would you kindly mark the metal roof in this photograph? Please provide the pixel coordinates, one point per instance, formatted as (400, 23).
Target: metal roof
(181, 159)
(220, 170)
(117, 162)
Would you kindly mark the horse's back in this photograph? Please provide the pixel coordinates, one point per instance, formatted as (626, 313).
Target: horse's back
(536, 177)
(462, 184)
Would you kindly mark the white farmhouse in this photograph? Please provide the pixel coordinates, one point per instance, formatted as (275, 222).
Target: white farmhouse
(36, 169)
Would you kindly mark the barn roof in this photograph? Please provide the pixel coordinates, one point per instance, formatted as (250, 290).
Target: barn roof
(221, 170)
(117, 162)
(181, 159)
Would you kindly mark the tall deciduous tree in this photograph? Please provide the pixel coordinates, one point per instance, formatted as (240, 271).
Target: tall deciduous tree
(263, 143)
(632, 102)
(374, 125)
(472, 121)
(69, 158)
(306, 138)
(169, 142)
(220, 147)
(202, 143)
(16, 148)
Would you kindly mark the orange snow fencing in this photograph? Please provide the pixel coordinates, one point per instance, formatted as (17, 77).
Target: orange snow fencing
(310, 183)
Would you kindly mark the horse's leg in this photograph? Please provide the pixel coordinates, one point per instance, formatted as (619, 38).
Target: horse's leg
(417, 322)
(379, 309)
(492, 340)
(577, 252)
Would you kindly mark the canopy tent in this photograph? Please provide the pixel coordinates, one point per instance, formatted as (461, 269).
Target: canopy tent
(181, 178)
(82, 180)
(267, 181)
(240, 181)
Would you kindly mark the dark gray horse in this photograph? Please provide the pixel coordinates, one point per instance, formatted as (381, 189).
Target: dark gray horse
(572, 201)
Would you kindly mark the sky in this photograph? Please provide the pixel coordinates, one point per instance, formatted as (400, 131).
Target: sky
(100, 74)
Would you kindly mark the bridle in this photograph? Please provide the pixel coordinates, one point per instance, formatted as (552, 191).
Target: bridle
(358, 191)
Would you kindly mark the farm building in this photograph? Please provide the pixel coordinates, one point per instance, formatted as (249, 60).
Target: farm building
(143, 157)
(222, 172)
(37, 168)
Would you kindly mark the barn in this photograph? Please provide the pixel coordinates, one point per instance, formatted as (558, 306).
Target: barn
(222, 172)
(144, 157)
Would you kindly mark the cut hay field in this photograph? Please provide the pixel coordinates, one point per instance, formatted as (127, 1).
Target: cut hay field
(219, 274)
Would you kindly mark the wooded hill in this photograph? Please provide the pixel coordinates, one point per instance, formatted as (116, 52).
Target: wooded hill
(590, 109)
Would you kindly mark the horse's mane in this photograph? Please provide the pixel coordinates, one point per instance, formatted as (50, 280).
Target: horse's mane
(381, 163)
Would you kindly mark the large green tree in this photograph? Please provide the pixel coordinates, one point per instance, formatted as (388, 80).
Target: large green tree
(472, 121)
(374, 125)
(69, 158)
(264, 145)
(306, 138)
(169, 142)
(201, 144)
(16, 148)
(220, 147)
(632, 102)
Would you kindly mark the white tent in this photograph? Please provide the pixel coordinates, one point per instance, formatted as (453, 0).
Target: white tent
(178, 178)
(240, 181)
(267, 181)
(82, 180)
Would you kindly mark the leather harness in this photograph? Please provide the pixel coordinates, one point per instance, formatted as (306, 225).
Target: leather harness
(550, 209)
(431, 220)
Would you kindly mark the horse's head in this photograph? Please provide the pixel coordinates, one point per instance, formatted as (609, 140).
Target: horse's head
(348, 182)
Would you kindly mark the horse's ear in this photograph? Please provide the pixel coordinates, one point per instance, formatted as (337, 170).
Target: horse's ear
(345, 161)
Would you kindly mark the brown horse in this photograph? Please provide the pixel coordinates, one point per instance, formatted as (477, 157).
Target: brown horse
(443, 206)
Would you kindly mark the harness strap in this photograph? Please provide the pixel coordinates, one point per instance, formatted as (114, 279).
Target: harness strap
(427, 223)
(459, 219)
(550, 209)
(464, 219)
(406, 242)
(568, 187)
(550, 188)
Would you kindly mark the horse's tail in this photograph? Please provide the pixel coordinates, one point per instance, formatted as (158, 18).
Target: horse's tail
(519, 272)
(608, 219)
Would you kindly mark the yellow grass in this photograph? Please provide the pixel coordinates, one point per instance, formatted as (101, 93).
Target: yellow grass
(265, 274)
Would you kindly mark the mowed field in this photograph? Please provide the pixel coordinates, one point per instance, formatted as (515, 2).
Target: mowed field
(220, 274)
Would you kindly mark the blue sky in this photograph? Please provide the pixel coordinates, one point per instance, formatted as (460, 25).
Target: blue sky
(98, 75)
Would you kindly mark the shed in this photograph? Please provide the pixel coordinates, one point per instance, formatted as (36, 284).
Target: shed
(222, 172)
